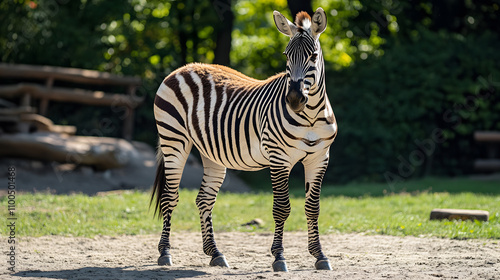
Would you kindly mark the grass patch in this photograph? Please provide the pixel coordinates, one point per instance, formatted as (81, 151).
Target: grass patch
(355, 208)
(430, 184)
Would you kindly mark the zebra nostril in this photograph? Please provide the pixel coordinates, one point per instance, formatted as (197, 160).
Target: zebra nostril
(303, 99)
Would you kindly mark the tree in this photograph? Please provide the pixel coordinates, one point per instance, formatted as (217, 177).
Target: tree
(297, 6)
(223, 41)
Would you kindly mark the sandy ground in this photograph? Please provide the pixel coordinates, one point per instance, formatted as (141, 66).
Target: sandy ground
(353, 256)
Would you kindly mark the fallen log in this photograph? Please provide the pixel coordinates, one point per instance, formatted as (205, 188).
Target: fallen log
(459, 214)
(99, 152)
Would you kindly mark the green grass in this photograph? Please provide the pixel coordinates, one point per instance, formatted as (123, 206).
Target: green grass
(367, 208)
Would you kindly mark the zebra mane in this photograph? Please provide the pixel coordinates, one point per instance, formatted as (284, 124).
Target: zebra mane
(303, 21)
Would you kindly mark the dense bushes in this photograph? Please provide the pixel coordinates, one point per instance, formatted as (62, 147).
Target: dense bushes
(413, 110)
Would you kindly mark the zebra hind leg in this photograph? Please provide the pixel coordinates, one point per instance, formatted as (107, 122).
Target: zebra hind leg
(171, 162)
(212, 180)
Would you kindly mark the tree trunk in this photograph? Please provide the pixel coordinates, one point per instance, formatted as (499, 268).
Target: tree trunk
(183, 38)
(449, 15)
(297, 6)
(223, 41)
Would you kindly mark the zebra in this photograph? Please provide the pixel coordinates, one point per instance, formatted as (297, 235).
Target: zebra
(241, 123)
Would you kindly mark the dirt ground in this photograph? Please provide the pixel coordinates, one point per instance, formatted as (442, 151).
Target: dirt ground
(353, 256)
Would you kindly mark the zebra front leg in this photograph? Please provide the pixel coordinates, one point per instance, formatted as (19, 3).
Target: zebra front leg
(212, 180)
(314, 171)
(281, 211)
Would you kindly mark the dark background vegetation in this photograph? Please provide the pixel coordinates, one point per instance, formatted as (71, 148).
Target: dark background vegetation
(409, 81)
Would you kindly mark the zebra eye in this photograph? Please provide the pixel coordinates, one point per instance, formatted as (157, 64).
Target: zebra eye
(313, 57)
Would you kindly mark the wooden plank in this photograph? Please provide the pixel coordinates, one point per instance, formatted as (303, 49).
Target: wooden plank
(71, 95)
(66, 74)
(487, 136)
(487, 164)
(459, 214)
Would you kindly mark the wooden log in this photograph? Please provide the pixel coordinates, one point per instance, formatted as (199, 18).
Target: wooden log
(70, 95)
(22, 115)
(63, 129)
(459, 214)
(17, 111)
(65, 74)
(128, 122)
(487, 164)
(100, 152)
(44, 124)
(44, 102)
(487, 136)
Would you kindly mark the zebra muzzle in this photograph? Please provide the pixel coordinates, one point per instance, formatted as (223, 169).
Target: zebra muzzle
(296, 100)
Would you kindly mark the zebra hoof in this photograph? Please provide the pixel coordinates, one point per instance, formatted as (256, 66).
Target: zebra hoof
(323, 265)
(280, 265)
(219, 261)
(165, 260)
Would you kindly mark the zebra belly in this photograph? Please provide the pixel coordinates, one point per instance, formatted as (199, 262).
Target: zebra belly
(232, 152)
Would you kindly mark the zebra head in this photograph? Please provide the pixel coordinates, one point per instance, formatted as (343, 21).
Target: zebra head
(304, 58)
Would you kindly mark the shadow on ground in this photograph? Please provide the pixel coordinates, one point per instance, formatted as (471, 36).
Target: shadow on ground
(127, 272)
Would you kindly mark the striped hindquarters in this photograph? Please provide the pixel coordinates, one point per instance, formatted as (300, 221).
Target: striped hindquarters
(218, 110)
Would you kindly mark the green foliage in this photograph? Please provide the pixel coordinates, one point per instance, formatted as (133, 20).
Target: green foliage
(437, 89)
(342, 210)
(353, 33)
(257, 44)
(397, 70)
(133, 37)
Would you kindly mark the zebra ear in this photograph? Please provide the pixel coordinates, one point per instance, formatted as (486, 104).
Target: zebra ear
(284, 25)
(318, 22)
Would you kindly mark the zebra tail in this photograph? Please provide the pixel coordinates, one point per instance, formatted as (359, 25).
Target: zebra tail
(158, 185)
